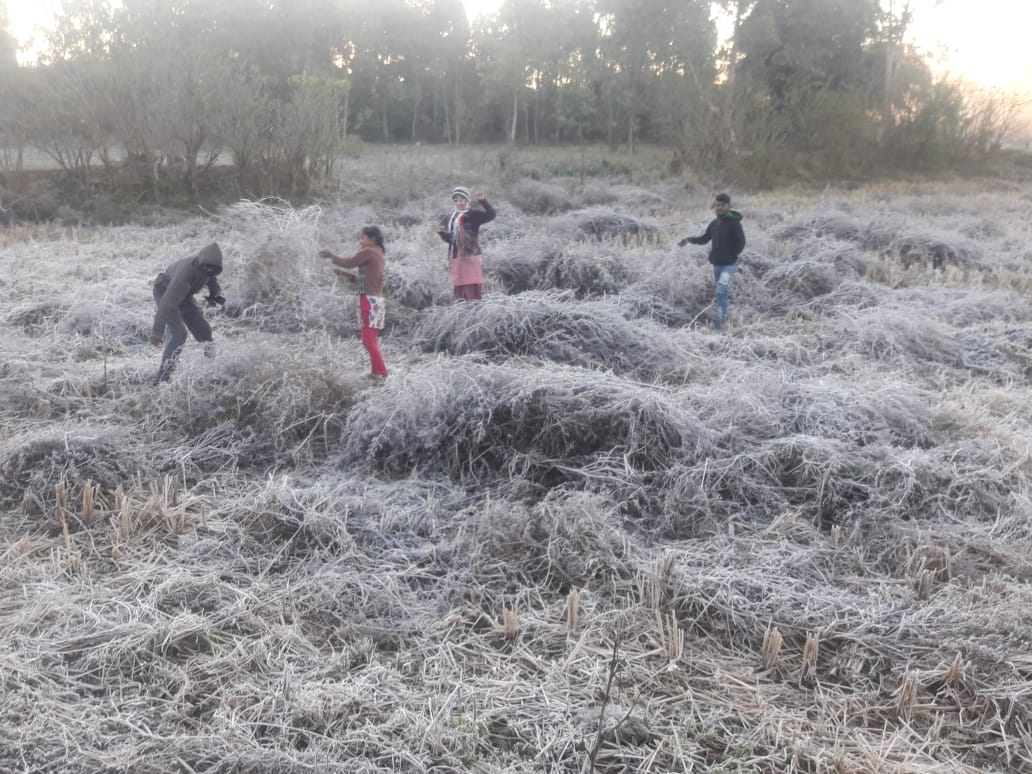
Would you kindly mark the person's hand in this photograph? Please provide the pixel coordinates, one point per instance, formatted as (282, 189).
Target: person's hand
(327, 255)
(479, 195)
(683, 242)
(156, 340)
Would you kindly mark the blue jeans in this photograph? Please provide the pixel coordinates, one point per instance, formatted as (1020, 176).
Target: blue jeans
(722, 278)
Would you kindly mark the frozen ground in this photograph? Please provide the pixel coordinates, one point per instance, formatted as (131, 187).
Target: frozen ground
(575, 529)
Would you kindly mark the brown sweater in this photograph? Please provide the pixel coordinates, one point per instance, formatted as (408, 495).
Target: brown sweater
(370, 262)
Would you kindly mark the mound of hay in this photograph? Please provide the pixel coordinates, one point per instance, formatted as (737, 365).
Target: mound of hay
(846, 257)
(602, 225)
(850, 296)
(908, 338)
(596, 194)
(586, 273)
(279, 247)
(551, 326)
(34, 462)
(280, 283)
(806, 279)
(537, 198)
(891, 236)
(675, 293)
(292, 396)
(111, 320)
(832, 481)
(567, 539)
(966, 307)
(925, 249)
(416, 282)
(837, 225)
(36, 318)
(483, 423)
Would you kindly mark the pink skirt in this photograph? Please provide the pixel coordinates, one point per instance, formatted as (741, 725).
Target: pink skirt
(467, 270)
(468, 292)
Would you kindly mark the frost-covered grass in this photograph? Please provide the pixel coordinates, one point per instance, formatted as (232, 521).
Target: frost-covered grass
(575, 527)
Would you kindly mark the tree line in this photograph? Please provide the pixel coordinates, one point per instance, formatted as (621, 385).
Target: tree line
(153, 95)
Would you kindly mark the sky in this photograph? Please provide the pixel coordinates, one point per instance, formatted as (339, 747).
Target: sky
(984, 41)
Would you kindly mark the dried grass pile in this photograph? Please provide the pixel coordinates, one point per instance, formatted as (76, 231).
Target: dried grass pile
(587, 271)
(805, 550)
(568, 539)
(602, 225)
(806, 279)
(278, 281)
(278, 248)
(930, 247)
(259, 403)
(551, 326)
(538, 198)
(908, 340)
(34, 463)
(831, 453)
(496, 424)
(416, 280)
(674, 293)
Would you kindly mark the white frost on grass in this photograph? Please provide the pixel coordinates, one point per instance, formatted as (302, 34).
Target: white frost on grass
(805, 538)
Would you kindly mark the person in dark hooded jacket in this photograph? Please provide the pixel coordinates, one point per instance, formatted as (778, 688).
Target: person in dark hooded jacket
(177, 311)
(727, 240)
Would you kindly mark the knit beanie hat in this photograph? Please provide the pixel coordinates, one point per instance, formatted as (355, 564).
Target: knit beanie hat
(463, 192)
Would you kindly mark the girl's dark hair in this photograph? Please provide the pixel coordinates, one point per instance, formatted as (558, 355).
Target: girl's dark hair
(375, 234)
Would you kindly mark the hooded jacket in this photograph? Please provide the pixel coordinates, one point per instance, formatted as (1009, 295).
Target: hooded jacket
(180, 281)
(726, 238)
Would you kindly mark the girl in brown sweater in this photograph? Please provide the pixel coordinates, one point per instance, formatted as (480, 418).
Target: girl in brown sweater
(370, 262)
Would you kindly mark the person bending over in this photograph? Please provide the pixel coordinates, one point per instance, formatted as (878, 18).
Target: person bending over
(177, 312)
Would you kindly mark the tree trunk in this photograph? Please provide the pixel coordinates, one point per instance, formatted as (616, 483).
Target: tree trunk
(347, 103)
(415, 112)
(457, 113)
(558, 111)
(611, 125)
(515, 118)
(727, 143)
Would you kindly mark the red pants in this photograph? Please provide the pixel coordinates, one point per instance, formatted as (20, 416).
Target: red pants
(369, 339)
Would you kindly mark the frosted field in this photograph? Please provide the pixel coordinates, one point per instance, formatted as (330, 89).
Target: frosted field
(575, 529)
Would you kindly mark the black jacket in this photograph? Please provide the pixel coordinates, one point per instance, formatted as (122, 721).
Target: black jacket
(180, 281)
(468, 243)
(726, 238)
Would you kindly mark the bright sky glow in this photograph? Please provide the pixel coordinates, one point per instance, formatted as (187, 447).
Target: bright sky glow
(985, 41)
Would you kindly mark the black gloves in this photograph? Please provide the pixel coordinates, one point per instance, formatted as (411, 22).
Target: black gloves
(684, 241)
(215, 300)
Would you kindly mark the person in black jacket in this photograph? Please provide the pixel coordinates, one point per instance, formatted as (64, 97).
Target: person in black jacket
(727, 240)
(177, 311)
